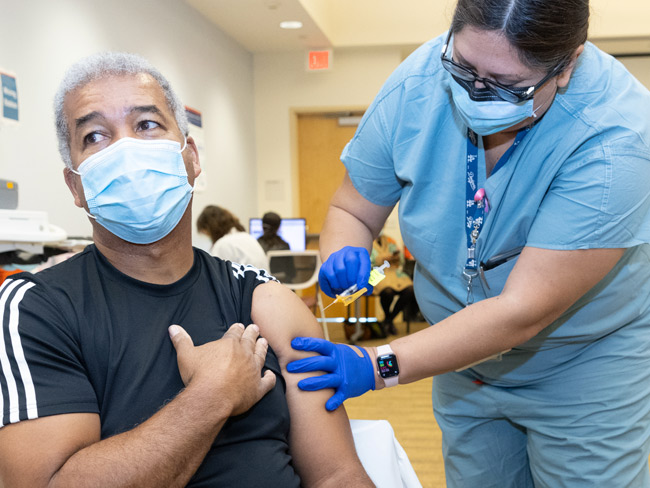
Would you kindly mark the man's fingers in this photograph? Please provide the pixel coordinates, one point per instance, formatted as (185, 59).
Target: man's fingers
(251, 333)
(181, 339)
(235, 331)
(267, 382)
(261, 347)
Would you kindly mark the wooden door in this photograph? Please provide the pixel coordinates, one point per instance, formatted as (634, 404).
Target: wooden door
(320, 172)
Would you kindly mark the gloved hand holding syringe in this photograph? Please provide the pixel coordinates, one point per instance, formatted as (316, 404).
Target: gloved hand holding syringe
(349, 295)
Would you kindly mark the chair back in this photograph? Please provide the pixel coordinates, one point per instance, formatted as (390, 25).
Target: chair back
(295, 269)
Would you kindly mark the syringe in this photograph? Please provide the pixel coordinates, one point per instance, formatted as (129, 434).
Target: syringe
(351, 294)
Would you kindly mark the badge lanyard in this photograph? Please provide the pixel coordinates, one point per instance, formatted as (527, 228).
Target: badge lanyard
(477, 205)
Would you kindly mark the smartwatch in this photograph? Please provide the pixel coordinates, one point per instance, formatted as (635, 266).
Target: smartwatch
(387, 366)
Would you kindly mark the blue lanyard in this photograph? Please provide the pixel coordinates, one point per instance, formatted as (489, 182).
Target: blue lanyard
(476, 205)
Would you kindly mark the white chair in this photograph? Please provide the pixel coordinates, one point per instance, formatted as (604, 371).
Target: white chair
(298, 270)
(382, 456)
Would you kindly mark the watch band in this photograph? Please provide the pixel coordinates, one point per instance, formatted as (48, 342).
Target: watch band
(382, 351)
(385, 349)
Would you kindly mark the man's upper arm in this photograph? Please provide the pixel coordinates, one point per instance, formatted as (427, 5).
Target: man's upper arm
(321, 442)
(32, 451)
(47, 402)
(45, 373)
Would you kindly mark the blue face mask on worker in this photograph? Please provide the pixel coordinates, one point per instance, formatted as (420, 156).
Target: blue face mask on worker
(137, 189)
(484, 112)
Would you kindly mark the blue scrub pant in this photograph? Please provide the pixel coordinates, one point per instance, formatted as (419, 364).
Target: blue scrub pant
(586, 425)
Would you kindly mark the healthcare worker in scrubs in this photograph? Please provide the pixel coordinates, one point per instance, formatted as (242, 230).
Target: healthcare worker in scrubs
(519, 154)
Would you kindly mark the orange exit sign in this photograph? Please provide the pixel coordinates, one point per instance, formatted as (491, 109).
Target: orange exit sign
(319, 60)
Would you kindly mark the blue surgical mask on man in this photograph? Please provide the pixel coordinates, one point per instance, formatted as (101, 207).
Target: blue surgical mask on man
(484, 112)
(137, 188)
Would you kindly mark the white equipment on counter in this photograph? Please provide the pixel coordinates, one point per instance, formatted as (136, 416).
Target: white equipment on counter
(27, 230)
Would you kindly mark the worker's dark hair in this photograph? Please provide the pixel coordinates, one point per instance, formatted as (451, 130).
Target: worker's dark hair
(217, 222)
(545, 33)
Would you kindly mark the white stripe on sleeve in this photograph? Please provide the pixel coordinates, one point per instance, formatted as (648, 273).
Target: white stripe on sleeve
(262, 275)
(5, 291)
(4, 359)
(19, 354)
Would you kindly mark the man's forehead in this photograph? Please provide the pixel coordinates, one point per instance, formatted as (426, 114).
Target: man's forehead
(115, 92)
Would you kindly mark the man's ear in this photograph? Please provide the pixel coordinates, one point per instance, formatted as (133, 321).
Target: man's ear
(564, 77)
(193, 154)
(72, 181)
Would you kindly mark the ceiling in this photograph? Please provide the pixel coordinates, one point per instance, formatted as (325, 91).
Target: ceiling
(353, 23)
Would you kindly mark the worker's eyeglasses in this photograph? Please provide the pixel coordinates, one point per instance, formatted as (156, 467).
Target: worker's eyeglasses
(509, 94)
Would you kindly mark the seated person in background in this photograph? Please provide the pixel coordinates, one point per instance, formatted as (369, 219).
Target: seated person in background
(270, 240)
(409, 263)
(230, 241)
(396, 282)
(93, 391)
(284, 267)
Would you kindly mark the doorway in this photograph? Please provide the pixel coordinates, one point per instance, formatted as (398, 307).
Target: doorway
(321, 138)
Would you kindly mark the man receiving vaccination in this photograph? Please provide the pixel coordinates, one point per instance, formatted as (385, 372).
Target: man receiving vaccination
(94, 392)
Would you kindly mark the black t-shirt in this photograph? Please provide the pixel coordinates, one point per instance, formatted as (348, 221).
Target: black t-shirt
(84, 337)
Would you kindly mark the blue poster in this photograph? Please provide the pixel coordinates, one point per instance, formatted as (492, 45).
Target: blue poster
(194, 117)
(9, 97)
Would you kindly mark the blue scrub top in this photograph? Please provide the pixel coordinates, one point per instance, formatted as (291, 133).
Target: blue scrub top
(580, 179)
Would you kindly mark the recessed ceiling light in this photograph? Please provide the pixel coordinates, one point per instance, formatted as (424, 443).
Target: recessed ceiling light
(291, 24)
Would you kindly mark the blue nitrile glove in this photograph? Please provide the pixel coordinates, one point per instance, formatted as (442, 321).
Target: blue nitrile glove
(343, 269)
(350, 374)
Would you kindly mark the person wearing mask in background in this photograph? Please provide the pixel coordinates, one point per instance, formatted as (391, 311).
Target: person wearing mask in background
(230, 241)
(520, 157)
(270, 240)
(396, 283)
(93, 391)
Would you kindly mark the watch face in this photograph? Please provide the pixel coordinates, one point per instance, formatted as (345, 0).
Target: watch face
(387, 364)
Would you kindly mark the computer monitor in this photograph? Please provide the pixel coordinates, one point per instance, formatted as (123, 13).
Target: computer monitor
(291, 230)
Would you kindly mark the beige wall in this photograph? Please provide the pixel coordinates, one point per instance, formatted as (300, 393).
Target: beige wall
(282, 84)
(639, 66)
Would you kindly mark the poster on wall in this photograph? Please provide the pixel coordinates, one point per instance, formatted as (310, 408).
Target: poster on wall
(195, 120)
(9, 97)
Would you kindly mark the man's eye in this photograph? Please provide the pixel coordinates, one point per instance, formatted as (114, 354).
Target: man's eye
(148, 125)
(93, 138)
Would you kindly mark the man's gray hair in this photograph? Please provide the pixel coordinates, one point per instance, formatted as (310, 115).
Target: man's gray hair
(98, 66)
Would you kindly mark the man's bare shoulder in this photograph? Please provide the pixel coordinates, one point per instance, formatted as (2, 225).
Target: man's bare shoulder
(282, 315)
